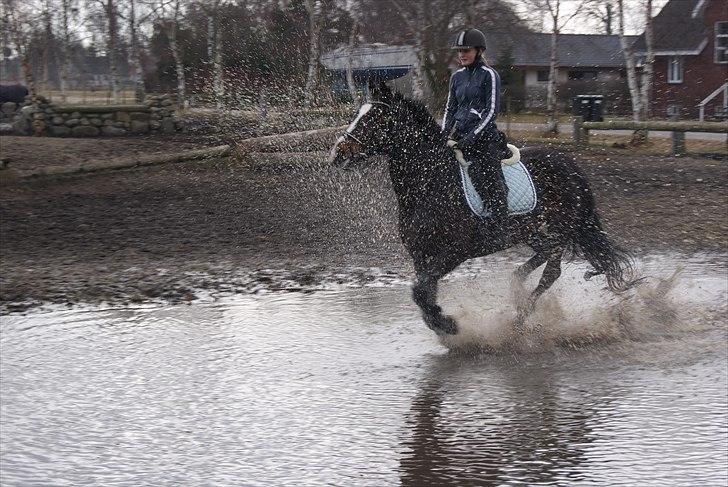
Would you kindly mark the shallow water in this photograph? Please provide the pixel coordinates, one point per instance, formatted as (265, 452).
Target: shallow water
(348, 387)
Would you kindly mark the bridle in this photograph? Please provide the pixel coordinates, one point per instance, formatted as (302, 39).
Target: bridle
(356, 139)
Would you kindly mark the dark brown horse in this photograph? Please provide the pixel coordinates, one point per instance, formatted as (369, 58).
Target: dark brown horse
(438, 228)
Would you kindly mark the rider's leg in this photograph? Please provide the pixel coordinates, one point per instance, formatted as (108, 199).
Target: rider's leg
(487, 177)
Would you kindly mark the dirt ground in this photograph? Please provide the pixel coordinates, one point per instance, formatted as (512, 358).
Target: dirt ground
(178, 231)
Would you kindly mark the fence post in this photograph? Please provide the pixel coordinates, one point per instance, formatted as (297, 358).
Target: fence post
(678, 143)
(578, 133)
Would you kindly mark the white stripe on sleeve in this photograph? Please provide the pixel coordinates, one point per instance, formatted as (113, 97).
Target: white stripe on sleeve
(493, 95)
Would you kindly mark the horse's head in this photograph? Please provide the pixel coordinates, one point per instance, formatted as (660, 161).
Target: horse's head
(370, 131)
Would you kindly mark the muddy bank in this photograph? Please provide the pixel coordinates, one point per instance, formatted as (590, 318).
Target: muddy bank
(166, 232)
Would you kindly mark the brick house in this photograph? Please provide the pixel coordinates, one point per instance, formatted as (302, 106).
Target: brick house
(691, 59)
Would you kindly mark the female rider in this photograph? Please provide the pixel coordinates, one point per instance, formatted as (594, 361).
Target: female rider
(470, 113)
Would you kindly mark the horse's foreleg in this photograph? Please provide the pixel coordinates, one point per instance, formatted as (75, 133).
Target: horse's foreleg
(551, 273)
(424, 293)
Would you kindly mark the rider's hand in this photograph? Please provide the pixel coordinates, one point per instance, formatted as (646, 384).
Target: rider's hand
(451, 143)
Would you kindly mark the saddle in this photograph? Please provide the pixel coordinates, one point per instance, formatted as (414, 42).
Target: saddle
(521, 191)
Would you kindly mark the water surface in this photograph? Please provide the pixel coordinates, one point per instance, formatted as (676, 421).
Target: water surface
(347, 387)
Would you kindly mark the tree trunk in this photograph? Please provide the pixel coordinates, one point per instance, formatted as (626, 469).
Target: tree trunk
(47, 49)
(551, 108)
(634, 91)
(349, 63)
(63, 51)
(314, 12)
(418, 69)
(135, 60)
(218, 84)
(649, 64)
(171, 31)
(112, 48)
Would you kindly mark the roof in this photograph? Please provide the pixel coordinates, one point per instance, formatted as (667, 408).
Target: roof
(367, 56)
(527, 49)
(574, 50)
(679, 29)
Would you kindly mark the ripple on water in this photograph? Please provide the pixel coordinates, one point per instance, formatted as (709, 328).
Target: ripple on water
(349, 388)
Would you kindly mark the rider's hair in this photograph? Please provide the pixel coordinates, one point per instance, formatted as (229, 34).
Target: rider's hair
(481, 55)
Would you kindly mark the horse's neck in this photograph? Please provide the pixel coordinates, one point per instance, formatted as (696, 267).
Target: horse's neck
(421, 168)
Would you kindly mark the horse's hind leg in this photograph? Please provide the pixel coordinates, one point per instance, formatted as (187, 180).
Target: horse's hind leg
(424, 293)
(551, 273)
(530, 265)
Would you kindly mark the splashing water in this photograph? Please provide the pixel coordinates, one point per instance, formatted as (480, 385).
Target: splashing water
(572, 314)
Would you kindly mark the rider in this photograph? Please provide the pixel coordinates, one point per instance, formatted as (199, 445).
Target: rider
(472, 106)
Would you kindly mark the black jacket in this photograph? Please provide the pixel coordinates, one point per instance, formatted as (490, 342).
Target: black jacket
(473, 101)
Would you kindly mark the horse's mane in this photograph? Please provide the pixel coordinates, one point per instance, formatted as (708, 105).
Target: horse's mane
(419, 113)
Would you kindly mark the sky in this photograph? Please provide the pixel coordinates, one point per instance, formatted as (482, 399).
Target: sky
(583, 24)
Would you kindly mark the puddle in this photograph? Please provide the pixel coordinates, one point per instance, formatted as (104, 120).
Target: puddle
(348, 387)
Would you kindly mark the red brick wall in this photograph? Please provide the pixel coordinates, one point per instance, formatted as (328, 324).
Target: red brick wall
(701, 75)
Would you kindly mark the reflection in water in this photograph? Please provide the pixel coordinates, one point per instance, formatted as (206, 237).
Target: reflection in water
(483, 422)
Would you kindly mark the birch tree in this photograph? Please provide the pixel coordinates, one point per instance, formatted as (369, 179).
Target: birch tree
(135, 60)
(639, 90)
(67, 9)
(554, 10)
(313, 7)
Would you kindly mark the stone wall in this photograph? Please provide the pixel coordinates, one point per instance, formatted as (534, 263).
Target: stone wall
(8, 111)
(156, 115)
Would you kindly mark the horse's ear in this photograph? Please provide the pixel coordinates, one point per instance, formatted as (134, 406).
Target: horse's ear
(379, 90)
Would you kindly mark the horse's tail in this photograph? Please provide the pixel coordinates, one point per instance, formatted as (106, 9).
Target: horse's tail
(605, 256)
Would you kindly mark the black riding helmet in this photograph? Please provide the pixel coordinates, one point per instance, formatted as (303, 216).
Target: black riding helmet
(469, 38)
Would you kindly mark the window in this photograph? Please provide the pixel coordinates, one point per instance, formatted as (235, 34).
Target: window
(583, 75)
(543, 75)
(674, 69)
(721, 42)
(673, 111)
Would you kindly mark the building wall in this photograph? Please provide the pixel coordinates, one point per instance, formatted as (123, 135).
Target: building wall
(701, 74)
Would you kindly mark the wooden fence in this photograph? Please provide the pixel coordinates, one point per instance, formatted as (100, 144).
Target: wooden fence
(678, 129)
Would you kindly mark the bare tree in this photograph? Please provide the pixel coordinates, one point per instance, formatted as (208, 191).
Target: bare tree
(168, 15)
(603, 12)
(639, 91)
(353, 8)
(558, 21)
(67, 10)
(313, 7)
(20, 19)
(47, 43)
(211, 9)
(135, 52)
(413, 14)
(111, 14)
(649, 63)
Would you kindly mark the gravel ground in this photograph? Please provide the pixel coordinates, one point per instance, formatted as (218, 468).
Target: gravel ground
(170, 232)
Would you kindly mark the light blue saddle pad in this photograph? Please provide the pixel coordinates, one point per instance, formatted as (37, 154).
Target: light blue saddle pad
(521, 192)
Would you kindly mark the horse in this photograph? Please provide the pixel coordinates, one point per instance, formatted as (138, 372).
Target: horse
(440, 231)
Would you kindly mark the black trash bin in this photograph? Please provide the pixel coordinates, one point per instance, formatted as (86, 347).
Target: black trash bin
(589, 107)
